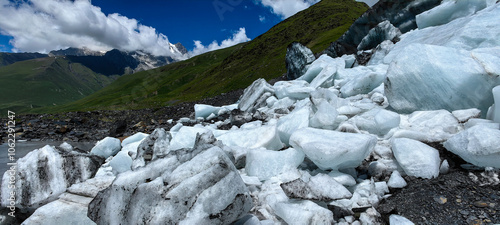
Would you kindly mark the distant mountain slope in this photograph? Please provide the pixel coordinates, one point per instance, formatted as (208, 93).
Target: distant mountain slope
(46, 81)
(10, 58)
(227, 69)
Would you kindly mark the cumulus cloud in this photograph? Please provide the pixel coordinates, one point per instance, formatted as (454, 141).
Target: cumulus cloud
(287, 8)
(45, 25)
(238, 37)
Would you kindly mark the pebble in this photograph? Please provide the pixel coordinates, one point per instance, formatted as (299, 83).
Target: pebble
(481, 204)
(441, 200)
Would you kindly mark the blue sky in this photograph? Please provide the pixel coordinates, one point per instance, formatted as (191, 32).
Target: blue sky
(148, 25)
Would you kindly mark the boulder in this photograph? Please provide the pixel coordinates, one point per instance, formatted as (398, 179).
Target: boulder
(298, 57)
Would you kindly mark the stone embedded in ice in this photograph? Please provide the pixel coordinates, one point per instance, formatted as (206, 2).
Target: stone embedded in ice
(416, 158)
(121, 162)
(106, 147)
(265, 136)
(45, 173)
(288, 124)
(319, 188)
(482, 122)
(333, 149)
(478, 145)
(186, 136)
(427, 77)
(265, 164)
(428, 126)
(342, 178)
(465, 115)
(450, 10)
(294, 89)
(377, 121)
(187, 186)
(396, 180)
(383, 31)
(201, 110)
(496, 111)
(298, 57)
(303, 212)
(255, 95)
(399, 220)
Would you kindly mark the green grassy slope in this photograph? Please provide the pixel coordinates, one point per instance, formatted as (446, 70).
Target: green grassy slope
(46, 82)
(227, 69)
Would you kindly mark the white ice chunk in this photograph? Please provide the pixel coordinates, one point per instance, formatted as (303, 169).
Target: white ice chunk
(380, 52)
(416, 158)
(324, 115)
(121, 162)
(362, 84)
(294, 89)
(377, 121)
(445, 167)
(496, 111)
(201, 110)
(134, 138)
(466, 114)
(327, 75)
(186, 136)
(478, 145)
(428, 126)
(265, 164)
(332, 149)
(264, 136)
(450, 10)
(303, 212)
(67, 147)
(482, 122)
(255, 95)
(349, 60)
(288, 124)
(342, 178)
(399, 220)
(461, 83)
(316, 67)
(106, 147)
(396, 180)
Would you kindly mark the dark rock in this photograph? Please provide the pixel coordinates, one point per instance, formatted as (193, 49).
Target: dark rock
(118, 128)
(400, 13)
(298, 58)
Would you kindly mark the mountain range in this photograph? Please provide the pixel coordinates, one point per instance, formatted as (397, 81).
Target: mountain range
(32, 80)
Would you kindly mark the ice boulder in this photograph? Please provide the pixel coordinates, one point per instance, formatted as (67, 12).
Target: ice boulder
(45, 173)
(383, 31)
(202, 110)
(303, 212)
(428, 77)
(187, 186)
(294, 89)
(298, 57)
(121, 162)
(399, 220)
(265, 164)
(264, 136)
(316, 67)
(428, 126)
(396, 180)
(152, 147)
(496, 111)
(323, 115)
(106, 147)
(186, 136)
(465, 115)
(450, 10)
(333, 149)
(326, 77)
(134, 138)
(288, 124)
(362, 84)
(377, 121)
(321, 187)
(255, 95)
(478, 145)
(416, 158)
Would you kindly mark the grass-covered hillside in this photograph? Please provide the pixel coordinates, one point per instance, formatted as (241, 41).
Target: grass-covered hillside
(227, 69)
(48, 81)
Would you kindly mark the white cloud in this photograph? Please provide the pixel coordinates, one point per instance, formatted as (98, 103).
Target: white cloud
(262, 18)
(238, 37)
(287, 8)
(45, 25)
